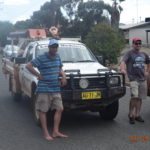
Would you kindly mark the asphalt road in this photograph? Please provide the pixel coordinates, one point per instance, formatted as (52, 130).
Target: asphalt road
(86, 131)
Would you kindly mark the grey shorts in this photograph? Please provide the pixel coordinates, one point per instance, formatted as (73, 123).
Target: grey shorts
(138, 89)
(46, 101)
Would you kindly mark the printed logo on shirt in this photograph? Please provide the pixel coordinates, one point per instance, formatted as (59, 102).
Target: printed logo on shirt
(139, 62)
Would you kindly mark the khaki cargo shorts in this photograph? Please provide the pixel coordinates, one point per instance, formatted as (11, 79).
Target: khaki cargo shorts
(138, 89)
(46, 101)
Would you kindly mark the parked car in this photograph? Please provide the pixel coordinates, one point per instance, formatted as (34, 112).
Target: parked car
(10, 51)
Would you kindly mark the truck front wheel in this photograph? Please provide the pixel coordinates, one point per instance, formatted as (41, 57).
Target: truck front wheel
(35, 112)
(110, 111)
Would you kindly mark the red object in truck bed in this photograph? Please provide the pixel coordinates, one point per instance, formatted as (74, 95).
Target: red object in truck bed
(36, 33)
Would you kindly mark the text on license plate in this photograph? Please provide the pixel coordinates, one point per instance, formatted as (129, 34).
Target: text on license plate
(91, 95)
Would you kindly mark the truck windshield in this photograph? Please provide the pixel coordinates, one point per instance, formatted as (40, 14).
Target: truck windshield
(70, 53)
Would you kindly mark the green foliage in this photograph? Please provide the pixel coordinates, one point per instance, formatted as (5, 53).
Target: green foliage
(20, 25)
(91, 13)
(70, 7)
(104, 40)
(5, 28)
(81, 17)
(46, 16)
(118, 0)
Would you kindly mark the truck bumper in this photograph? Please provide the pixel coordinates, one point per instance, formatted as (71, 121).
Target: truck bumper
(72, 99)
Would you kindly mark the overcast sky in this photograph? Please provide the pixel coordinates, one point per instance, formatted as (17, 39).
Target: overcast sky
(14, 10)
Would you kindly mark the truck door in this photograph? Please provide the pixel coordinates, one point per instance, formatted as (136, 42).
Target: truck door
(27, 77)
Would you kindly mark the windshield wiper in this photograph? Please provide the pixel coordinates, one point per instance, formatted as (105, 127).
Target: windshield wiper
(65, 61)
(86, 61)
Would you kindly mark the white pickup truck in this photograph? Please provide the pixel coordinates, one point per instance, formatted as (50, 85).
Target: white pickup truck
(90, 85)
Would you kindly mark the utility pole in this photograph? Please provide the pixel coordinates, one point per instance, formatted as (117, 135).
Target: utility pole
(137, 10)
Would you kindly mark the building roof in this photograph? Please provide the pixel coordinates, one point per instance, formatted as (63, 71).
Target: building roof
(129, 26)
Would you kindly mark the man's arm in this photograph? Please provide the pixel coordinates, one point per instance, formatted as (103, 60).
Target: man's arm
(30, 67)
(123, 67)
(148, 68)
(147, 65)
(63, 79)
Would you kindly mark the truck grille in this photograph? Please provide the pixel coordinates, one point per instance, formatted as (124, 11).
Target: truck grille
(93, 83)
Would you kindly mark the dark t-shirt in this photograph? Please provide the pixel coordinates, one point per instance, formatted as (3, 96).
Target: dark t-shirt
(135, 62)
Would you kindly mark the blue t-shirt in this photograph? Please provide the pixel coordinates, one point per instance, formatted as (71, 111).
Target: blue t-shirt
(135, 62)
(49, 68)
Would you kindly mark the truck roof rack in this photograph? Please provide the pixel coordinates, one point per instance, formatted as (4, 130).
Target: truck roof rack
(72, 38)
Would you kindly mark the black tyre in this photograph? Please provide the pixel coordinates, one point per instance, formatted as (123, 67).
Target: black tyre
(16, 97)
(35, 112)
(110, 112)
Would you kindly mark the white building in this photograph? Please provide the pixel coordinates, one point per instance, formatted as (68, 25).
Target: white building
(141, 30)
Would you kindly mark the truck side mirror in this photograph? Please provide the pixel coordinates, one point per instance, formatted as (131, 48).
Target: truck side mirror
(100, 59)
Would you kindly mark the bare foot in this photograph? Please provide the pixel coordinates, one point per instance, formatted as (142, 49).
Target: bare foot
(48, 138)
(59, 135)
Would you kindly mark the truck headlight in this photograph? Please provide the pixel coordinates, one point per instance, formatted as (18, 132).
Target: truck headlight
(114, 81)
(83, 83)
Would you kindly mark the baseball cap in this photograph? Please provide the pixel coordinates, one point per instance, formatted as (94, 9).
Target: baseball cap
(136, 39)
(53, 42)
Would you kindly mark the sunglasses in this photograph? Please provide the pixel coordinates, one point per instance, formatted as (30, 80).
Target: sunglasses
(53, 46)
(138, 43)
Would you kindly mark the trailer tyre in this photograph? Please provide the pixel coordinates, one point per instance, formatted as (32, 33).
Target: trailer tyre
(110, 112)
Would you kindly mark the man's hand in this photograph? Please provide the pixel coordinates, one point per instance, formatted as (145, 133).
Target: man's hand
(63, 81)
(123, 71)
(33, 71)
(147, 74)
(123, 68)
(39, 77)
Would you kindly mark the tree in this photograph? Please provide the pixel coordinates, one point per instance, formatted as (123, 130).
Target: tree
(45, 17)
(19, 25)
(5, 28)
(115, 13)
(91, 13)
(71, 8)
(104, 40)
(81, 16)
(87, 14)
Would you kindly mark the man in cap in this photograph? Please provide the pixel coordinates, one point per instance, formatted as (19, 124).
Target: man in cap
(48, 89)
(136, 65)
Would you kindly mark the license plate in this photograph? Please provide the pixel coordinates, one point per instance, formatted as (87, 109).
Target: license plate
(91, 95)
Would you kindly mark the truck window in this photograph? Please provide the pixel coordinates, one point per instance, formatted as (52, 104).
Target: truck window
(69, 52)
(29, 54)
(75, 53)
(40, 50)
